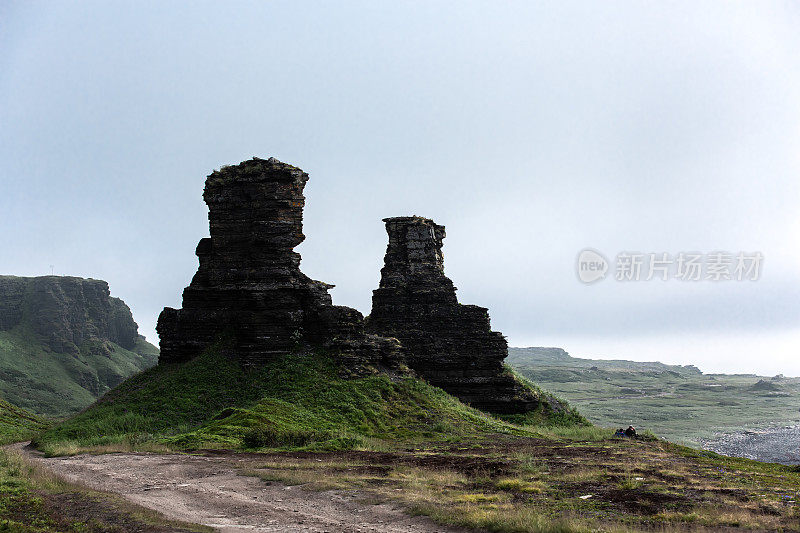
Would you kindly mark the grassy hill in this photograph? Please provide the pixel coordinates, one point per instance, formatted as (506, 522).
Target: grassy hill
(18, 424)
(64, 342)
(679, 403)
(297, 400)
(56, 384)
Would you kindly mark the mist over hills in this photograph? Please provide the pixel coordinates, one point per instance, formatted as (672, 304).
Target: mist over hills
(680, 403)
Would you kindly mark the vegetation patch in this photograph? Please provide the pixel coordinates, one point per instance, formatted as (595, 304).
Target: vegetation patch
(297, 401)
(679, 403)
(532, 485)
(18, 424)
(552, 411)
(54, 384)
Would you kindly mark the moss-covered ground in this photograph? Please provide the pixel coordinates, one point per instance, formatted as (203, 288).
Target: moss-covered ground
(299, 400)
(581, 482)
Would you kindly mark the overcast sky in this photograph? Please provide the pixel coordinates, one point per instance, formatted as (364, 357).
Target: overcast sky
(531, 130)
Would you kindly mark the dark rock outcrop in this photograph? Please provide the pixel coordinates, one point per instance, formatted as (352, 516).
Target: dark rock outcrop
(66, 312)
(450, 344)
(249, 287)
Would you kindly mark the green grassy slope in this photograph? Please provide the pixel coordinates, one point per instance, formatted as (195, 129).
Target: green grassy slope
(55, 384)
(679, 403)
(298, 400)
(17, 424)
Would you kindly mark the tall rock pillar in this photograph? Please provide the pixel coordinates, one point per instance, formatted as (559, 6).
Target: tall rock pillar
(249, 288)
(450, 344)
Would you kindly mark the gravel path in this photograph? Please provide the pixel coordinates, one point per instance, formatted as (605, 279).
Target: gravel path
(208, 491)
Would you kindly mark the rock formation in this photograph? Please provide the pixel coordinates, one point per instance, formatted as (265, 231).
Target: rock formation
(66, 312)
(449, 344)
(249, 287)
(64, 342)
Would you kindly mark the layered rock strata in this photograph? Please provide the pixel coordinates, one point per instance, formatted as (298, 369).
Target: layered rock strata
(449, 344)
(66, 312)
(249, 287)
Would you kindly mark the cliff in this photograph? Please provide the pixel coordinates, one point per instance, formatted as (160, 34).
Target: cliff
(64, 341)
(66, 312)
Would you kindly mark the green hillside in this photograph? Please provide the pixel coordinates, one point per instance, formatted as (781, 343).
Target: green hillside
(58, 384)
(679, 403)
(299, 399)
(64, 342)
(17, 424)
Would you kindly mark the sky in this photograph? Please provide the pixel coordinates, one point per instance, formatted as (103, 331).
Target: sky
(532, 131)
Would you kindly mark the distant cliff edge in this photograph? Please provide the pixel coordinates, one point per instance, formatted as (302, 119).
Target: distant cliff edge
(64, 341)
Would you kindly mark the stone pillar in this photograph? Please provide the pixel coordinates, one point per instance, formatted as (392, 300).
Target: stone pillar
(249, 288)
(449, 344)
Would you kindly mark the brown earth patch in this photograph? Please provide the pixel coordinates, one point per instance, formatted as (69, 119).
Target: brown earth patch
(464, 464)
(95, 515)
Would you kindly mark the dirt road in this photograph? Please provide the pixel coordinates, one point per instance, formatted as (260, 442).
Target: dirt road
(208, 491)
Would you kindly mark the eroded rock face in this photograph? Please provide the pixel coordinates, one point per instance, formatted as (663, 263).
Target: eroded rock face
(66, 312)
(249, 287)
(450, 344)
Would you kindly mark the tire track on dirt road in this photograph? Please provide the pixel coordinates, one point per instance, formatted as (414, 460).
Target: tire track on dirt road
(209, 491)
